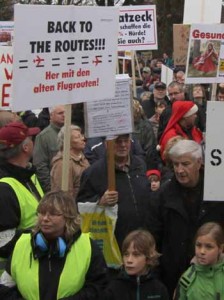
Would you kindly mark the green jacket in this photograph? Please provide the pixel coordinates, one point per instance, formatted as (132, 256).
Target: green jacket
(202, 282)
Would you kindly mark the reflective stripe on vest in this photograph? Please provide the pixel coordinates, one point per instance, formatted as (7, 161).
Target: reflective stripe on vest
(25, 269)
(27, 203)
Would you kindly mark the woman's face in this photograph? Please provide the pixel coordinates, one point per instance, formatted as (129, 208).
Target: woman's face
(77, 140)
(52, 224)
(210, 47)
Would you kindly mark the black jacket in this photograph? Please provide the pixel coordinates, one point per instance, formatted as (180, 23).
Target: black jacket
(127, 287)
(133, 193)
(50, 269)
(178, 213)
(149, 106)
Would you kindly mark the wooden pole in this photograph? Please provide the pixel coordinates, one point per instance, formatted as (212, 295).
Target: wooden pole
(66, 151)
(111, 165)
(133, 73)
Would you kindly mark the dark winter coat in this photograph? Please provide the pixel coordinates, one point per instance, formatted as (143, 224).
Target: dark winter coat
(178, 213)
(127, 287)
(133, 193)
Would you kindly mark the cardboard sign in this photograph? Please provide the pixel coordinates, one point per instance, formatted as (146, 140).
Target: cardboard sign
(137, 28)
(181, 35)
(66, 55)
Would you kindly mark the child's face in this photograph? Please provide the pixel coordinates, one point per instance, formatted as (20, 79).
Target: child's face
(154, 182)
(135, 263)
(206, 250)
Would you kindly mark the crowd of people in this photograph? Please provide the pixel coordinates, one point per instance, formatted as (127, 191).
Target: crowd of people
(170, 238)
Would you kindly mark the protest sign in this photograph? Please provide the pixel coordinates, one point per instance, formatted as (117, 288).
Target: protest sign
(66, 55)
(202, 11)
(137, 28)
(6, 33)
(111, 116)
(214, 154)
(181, 34)
(166, 75)
(205, 54)
(6, 62)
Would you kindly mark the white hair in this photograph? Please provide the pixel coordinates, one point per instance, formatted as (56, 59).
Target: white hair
(183, 147)
(61, 135)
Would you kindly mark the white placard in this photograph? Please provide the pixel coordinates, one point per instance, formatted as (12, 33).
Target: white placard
(111, 116)
(202, 11)
(214, 154)
(205, 62)
(166, 75)
(137, 28)
(63, 54)
(6, 63)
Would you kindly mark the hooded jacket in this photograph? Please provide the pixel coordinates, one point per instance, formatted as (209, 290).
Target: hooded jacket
(202, 282)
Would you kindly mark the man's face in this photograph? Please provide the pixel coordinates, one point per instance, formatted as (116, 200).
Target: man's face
(175, 94)
(220, 97)
(122, 146)
(159, 93)
(197, 92)
(58, 116)
(188, 122)
(186, 169)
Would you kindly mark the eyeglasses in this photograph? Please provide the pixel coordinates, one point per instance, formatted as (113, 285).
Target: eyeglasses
(49, 214)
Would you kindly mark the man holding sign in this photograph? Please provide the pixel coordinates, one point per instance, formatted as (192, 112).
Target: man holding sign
(132, 187)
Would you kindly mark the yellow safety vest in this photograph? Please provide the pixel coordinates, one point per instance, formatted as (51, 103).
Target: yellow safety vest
(25, 269)
(27, 203)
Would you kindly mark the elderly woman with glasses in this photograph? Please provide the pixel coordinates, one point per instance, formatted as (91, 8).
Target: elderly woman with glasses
(56, 260)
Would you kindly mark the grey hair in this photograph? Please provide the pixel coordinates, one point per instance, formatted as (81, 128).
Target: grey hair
(183, 147)
(13, 152)
(180, 86)
(61, 135)
(52, 108)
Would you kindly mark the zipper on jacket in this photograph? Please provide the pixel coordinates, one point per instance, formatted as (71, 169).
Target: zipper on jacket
(133, 195)
(49, 262)
(138, 289)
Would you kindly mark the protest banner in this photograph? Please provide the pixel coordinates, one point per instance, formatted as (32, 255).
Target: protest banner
(6, 63)
(202, 11)
(137, 28)
(66, 55)
(205, 54)
(214, 154)
(111, 116)
(181, 34)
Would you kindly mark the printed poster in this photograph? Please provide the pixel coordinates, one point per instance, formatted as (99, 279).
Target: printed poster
(6, 33)
(205, 63)
(137, 28)
(111, 116)
(66, 55)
